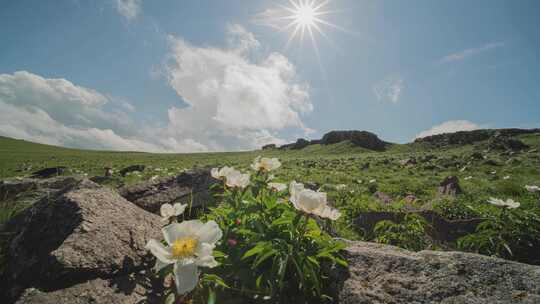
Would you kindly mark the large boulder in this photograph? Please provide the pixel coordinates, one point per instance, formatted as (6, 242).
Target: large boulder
(25, 191)
(362, 139)
(82, 233)
(380, 274)
(127, 289)
(190, 186)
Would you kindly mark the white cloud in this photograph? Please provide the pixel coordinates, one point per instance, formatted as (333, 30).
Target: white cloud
(389, 89)
(449, 127)
(233, 101)
(129, 9)
(58, 112)
(459, 56)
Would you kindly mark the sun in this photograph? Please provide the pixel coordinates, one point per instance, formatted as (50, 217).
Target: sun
(305, 15)
(300, 18)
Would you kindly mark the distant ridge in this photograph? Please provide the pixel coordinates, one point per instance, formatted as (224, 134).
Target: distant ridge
(470, 137)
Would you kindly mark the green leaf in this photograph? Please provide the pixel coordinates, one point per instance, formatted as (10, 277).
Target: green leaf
(255, 250)
(170, 298)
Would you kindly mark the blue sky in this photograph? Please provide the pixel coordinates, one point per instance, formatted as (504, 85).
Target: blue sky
(208, 75)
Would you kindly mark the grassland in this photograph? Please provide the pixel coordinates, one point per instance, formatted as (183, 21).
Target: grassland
(348, 173)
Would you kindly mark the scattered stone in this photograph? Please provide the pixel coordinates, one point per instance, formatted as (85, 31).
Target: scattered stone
(477, 155)
(108, 172)
(364, 166)
(312, 186)
(133, 168)
(410, 199)
(408, 161)
(380, 274)
(49, 172)
(190, 186)
(504, 143)
(383, 197)
(491, 162)
(450, 186)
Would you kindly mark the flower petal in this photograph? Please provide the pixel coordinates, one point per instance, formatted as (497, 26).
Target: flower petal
(204, 256)
(179, 208)
(166, 210)
(159, 251)
(209, 233)
(186, 277)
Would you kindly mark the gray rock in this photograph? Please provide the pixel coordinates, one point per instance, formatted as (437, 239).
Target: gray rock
(450, 186)
(408, 161)
(83, 232)
(49, 172)
(31, 189)
(120, 290)
(383, 197)
(133, 168)
(190, 185)
(380, 274)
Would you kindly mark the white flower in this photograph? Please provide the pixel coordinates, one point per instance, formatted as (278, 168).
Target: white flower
(310, 201)
(167, 211)
(509, 203)
(532, 188)
(341, 186)
(236, 178)
(372, 181)
(220, 173)
(265, 164)
(189, 245)
(277, 186)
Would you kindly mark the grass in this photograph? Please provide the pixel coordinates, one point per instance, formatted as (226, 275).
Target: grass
(327, 166)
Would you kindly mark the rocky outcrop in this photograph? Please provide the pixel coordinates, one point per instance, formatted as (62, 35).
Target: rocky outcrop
(362, 139)
(470, 137)
(80, 234)
(190, 186)
(299, 144)
(269, 147)
(380, 274)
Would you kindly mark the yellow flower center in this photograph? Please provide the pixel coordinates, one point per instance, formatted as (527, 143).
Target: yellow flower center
(184, 247)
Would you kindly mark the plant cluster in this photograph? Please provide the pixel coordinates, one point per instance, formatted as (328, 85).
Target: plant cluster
(410, 233)
(263, 241)
(509, 232)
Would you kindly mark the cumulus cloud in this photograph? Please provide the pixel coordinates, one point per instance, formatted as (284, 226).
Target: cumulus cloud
(389, 89)
(58, 112)
(233, 103)
(129, 9)
(459, 56)
(233, 100)
(449, 127)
